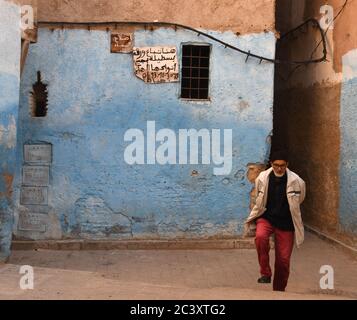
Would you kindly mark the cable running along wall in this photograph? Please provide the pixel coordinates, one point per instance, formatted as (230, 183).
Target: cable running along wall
(248, 54)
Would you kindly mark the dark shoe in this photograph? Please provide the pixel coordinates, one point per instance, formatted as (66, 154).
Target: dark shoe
(264, 279)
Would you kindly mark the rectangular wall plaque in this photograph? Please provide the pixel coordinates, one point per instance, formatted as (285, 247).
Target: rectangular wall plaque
(34, 195)
(38, 208)
(36, 175)
(38, 153)
(32, 222)
(121, 42)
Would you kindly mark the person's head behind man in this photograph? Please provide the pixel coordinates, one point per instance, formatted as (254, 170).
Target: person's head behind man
(279, 162)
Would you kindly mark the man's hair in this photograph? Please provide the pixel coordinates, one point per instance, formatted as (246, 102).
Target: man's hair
(279, 155)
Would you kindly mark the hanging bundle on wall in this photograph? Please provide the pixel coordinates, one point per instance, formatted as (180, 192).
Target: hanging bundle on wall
(39, 98)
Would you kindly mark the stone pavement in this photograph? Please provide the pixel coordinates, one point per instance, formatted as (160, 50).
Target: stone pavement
(176, 274)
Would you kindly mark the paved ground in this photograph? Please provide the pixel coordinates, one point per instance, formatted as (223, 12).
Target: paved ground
(175, 274)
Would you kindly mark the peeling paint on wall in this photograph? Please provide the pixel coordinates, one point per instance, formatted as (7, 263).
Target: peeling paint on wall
(8, 134)
(254, 169)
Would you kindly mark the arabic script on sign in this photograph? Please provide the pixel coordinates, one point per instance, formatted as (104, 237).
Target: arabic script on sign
(156, 64)
(121, 42)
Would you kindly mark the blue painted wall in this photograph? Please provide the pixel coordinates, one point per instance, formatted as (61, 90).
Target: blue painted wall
(348, 165)
(10, 47)
(94, 98)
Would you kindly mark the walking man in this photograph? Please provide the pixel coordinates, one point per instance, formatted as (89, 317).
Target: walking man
(279, 193)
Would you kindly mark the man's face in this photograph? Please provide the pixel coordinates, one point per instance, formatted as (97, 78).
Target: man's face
(279, 167)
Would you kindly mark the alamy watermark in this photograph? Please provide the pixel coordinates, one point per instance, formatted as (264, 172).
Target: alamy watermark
(327, 20)
(327, 282)
(166, 147)
(27, 20)
(27, 280)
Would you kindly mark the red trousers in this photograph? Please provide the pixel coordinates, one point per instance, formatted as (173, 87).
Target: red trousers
(284, 242)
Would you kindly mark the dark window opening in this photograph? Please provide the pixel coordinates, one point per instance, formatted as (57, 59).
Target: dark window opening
(39, 98)
(195, 71)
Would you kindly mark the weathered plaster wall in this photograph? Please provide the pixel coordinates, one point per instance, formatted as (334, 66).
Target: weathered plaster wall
(94, 98)
(348, 163)
(10, 46)
(313, 116)
(225, 15)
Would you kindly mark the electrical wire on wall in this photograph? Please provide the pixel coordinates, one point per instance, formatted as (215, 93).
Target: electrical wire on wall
(248, 53)
(329, 26)
(321, 41)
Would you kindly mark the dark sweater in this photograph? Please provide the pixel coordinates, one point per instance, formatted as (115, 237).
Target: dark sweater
(278, 211)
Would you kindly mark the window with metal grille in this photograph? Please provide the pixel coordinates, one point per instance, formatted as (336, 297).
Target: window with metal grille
(195, 72)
